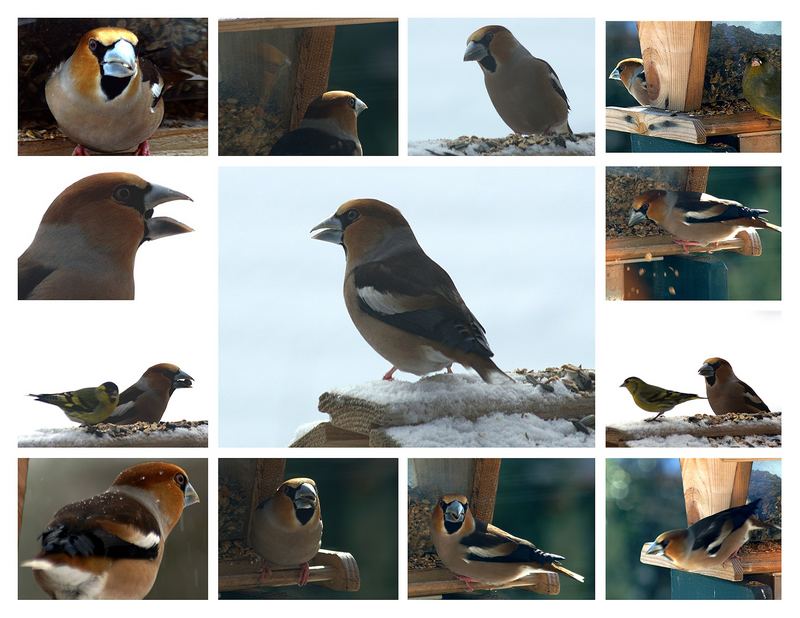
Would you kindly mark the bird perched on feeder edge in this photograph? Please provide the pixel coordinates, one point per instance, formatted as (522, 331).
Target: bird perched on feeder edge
(110, 546)
(287, 527)
(329, 128)
(654, 398)
(105, 97)
(630, 72)
(525, 90)
(761, 85)
(710, 542)
(476, 551)
(696, 219)
(146, 401)
(402, 302)
(87, 241)
(87, 406)
(727, 393)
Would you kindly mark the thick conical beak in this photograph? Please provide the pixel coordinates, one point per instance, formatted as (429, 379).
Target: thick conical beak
(360, 106)
(475, 51)
(120, 60)
(329, 230)
(614, 74)
(182, 380)
(454, 512)
(706, 371)
(190, 496)
(160, 227)
(305, 497)
(655, 549)
(636, 217)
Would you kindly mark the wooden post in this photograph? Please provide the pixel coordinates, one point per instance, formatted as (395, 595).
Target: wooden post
(315, 53)
(269, 475)
(674, 55)
(713, 485)
(22, 483)
(484, 488)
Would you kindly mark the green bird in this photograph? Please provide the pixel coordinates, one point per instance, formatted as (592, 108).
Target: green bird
(654, 398)
(762, 87)
(87, 406)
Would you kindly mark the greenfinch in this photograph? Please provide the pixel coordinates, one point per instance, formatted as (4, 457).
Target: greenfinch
(761, 85)
(654, 398)
(87, 406)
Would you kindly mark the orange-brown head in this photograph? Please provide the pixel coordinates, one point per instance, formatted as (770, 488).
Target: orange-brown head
(648, 205)
(452, 515)
(490, 46)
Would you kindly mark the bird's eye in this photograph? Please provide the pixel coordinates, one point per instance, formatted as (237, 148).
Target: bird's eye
(92, 44)
(122, 194)
(351, 214)
(351, 102)
(180, 479)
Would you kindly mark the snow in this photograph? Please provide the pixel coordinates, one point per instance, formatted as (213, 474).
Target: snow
(512, 145)
(672, 432)
(693, 441)
(495, 430)
(80, 437)
(304, 429)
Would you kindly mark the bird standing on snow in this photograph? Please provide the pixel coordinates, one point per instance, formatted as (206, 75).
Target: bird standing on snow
(761, 85)
(727, 393)
(402, 302)
(524, 90)
(630, 72)
(329, 127)
(654, 398)
(87, 406)
(695, 218)
(104, 97)
(110, 546)
(146, 401)
(479, 552)
(710, 542)
(287, 527)
(86, 244)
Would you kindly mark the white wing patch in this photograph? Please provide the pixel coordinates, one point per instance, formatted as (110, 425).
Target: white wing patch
(146, 541)
(485, 552)
(387, 304)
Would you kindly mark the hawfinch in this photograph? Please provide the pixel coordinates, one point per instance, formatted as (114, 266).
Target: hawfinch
(104, 97)
(329, 127)
(695, 218)
(479, 552)
(761, 85)
(727, 393)
(86, 244)
(654, 398)
(402, 302)
(110, 546)
(147, 399)
(287, 526)
(631, 73)
(524, 89)
(87, 406)
(710, 542)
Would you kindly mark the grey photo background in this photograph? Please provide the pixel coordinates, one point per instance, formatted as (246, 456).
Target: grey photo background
(517, 242)
(53, 483)
(446, 96)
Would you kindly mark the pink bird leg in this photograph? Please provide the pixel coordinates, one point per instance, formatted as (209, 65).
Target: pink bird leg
(468, 581)
(265, 574)
(143, 150)
(305, 570)
(389, 374)
(80, 151)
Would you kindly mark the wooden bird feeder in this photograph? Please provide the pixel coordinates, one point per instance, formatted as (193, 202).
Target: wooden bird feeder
(711, 486)
(244, 484)
(270, 70)
(429, 480)
(675, 55)
(655, 267)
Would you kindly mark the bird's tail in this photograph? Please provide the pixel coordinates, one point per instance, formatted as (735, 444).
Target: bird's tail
(770, 226)
(55, 399)
(489, 372)
(562, 569)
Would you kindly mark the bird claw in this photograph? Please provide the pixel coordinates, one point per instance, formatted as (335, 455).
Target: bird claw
(467, 582)
(305, 570)
(80, 151)
(389, 374)
(143, 150)
(264, 575)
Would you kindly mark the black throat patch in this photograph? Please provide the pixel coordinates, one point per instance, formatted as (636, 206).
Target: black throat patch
(112, 87)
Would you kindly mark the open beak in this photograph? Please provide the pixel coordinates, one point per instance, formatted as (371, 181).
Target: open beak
(475, 51)
(160, 227)
(329, 230)
(182, 380)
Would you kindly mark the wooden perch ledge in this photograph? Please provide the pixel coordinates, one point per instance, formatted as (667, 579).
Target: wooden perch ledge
(438, 581)
(648, 248)
(734, 570)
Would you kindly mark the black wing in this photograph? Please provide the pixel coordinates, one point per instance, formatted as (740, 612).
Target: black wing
(707, 531)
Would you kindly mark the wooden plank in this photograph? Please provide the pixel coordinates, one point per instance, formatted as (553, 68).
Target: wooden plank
(619, 437)
(331, 569)
(764, 141)
(315, 51)
(741, 122)
(674, 55)
(615, 281)
(243, 25)
(656, 123)
(167, 141)
(327, 435)
(619, 250)
(439, 581)
(22, 483)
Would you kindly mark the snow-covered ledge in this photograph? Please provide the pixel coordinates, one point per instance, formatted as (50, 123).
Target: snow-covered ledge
(163, 434)
(511, 145)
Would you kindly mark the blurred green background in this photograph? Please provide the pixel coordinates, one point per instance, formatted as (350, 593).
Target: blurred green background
(365, 63)
(358, 499)
(644, 497)
(53, 483)
(752, 278)
(549, 502)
